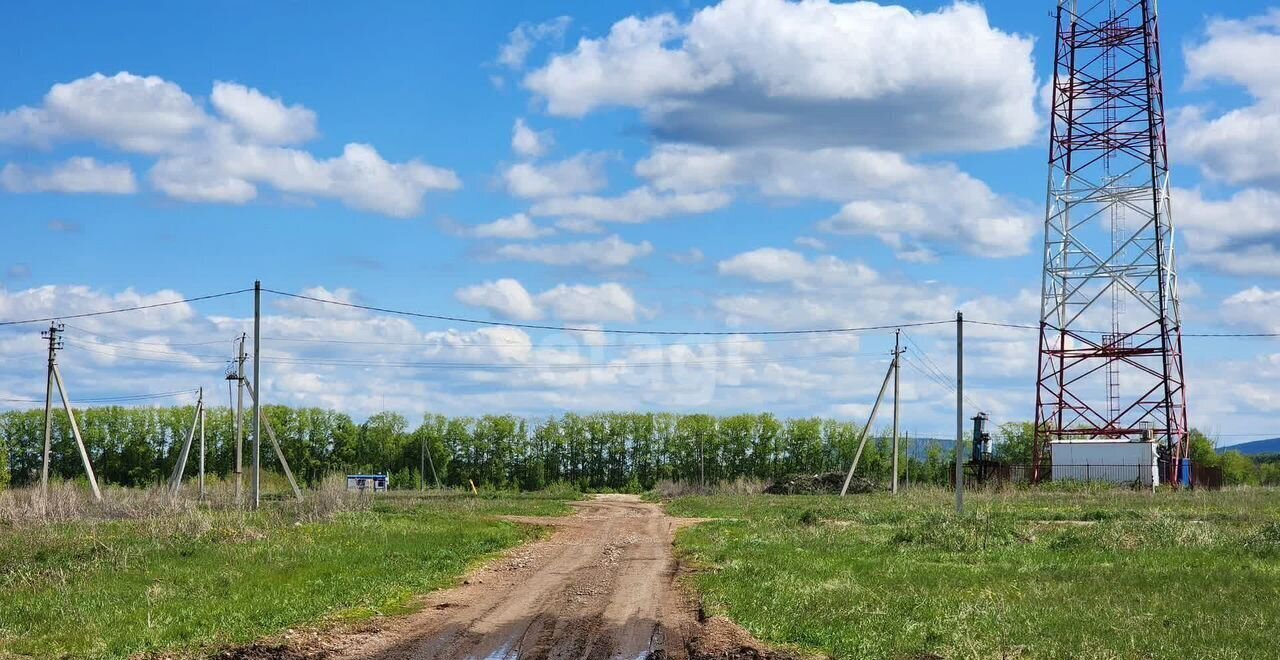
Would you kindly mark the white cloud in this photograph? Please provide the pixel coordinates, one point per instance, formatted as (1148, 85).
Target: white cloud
(75, 175)
(1237, 235)
(1237, 146)
(635, 206)
(514, 227)
(525, 36)
(261, 117)
(688, 257)
(360, 177)
(611, 252)
(807, 74)
(581, 173)
(528, 143)
(811, 243)
(1254, 308)
(314, 309)
(903, 203)
(506, 298)
(135, 113)
(607, 302)
(202, 158)
(774, 265)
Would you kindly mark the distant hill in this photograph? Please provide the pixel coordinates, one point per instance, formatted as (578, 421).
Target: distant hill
(1268, 446)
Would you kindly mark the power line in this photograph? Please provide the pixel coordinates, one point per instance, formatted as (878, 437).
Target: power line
(125, 309)
(114, 399)
(441, 343)
(535, 326)
(1020, 326)
(147, 343)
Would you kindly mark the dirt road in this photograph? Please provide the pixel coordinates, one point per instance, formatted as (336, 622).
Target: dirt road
(602, 586)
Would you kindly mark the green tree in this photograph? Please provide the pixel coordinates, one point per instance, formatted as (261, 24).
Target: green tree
(1013, 442)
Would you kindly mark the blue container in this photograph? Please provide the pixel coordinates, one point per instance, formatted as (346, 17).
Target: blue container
(1185, 473)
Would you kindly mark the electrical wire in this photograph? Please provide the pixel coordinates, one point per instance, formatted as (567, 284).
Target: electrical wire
(114, 399)
(147, 343)
(135, 308)
(534, 326)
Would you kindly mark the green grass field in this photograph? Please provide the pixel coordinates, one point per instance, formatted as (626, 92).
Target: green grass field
(190, 583)
(1094, 574)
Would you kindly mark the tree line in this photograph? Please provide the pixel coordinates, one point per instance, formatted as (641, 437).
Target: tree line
(139, 446)
(621, 451)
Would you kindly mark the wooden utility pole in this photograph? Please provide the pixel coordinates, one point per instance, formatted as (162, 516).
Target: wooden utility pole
(55, 377)
(897, 371)
(959, 413)
(256, 483)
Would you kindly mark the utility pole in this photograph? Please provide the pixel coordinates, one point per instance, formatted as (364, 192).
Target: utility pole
(202, 414)
(55, 376)
(54, 344)
(422, 464)
(897, 370)
(867, 429)
(180, 466)
(959, 412)
(257, 405)
(240, 421)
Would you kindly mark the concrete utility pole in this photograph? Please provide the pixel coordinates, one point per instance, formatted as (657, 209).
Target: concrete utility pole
(240, 421)
(275, 443)
(180, 466)
(897, 372)
(54, 343)
(256, 484)
(55, 377)
(202, 415)
(866, 430)
(959, 412)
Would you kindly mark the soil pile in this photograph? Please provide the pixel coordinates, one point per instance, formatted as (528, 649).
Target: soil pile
(820, 484)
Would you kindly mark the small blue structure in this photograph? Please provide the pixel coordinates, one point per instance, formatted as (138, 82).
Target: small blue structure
(376, 483)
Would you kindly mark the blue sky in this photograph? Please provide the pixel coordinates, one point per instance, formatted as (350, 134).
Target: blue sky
(641, 193)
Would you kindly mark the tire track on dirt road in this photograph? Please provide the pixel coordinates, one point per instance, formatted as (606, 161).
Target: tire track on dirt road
(602, 586)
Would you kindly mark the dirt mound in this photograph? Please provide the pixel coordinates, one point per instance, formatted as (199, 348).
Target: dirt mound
(820, 484)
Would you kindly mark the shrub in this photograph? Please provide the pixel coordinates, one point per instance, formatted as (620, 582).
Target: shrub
(1265, 542)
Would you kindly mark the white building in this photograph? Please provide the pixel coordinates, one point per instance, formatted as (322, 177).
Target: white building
(1118, 462)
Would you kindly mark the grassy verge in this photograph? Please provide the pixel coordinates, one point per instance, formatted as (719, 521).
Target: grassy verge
(191, 581)
(1092, 574)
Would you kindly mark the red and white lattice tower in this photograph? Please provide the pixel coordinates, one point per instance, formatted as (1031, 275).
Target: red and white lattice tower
(1110, 331)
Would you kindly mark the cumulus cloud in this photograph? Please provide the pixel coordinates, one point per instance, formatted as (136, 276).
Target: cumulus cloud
(528, 143)
(261, 117)
(1237, 146)
(522, 39)
(513, 227)
(809, 74)
(635, 206)
(75, 175)
(506, 298)
(1237, 235)
(909, 206)
(581, 173)
(610, 252)
(775, 265)
(1253, 308)
(224, 158)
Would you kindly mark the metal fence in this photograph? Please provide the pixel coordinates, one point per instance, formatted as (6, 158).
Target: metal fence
(1134, 475)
